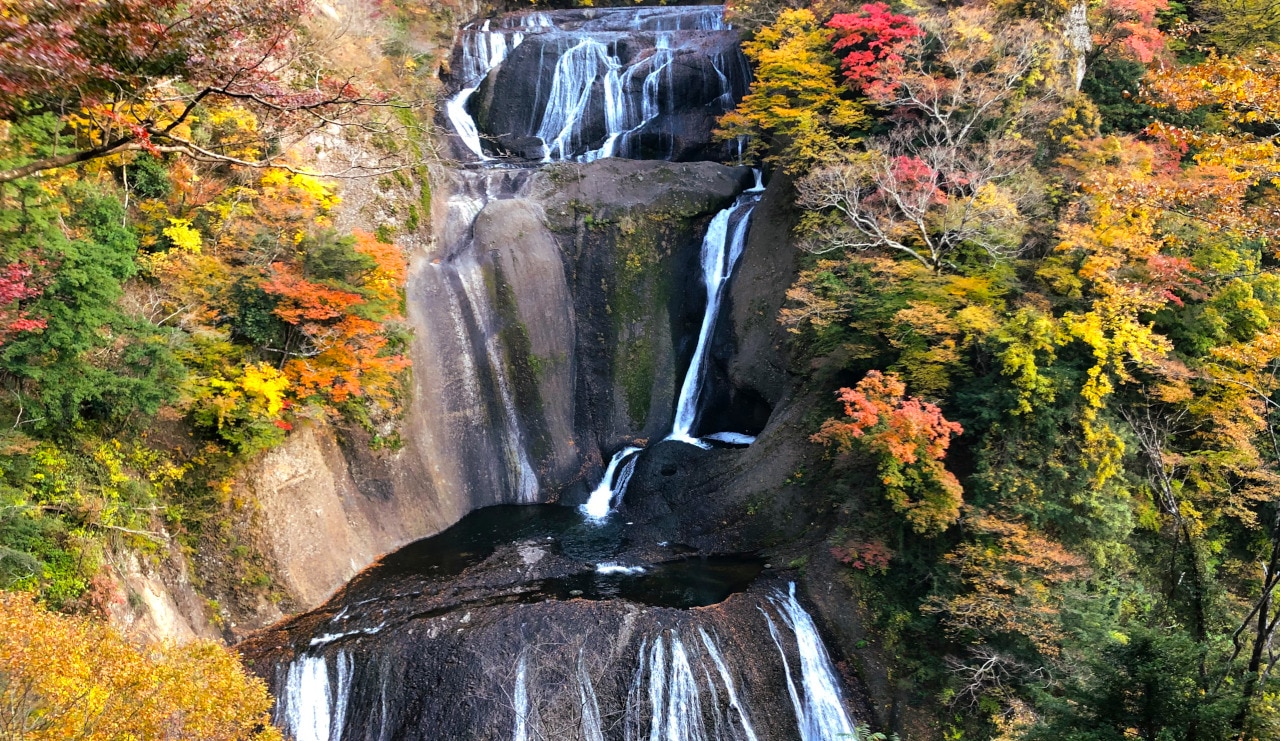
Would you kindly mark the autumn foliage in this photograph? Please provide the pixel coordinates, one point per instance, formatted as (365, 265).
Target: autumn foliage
(64, 677)
(17, 284)
(343, 355)
(909, 439)
(870, 43)
(1012, 584)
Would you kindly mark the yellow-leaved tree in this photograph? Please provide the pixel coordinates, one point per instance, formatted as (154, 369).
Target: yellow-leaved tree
(797, 104)
(65, 677)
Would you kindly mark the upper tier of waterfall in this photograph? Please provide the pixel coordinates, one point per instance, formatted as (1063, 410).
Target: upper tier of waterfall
(586, 84)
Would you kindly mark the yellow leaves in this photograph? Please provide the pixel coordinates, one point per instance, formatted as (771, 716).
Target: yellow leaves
(73, 677)
(238, 127)
(266, 386)
(795, 96)
(257, 392)
(1029, 338)
(316, 191)
(183, 236)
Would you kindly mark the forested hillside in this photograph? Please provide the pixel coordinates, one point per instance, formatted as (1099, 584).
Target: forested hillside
(1041, 273)
(176, 300)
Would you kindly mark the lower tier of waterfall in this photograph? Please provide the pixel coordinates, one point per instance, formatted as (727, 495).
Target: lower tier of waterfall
(618, 672)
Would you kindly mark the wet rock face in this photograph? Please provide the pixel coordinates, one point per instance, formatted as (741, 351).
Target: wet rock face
(544, 319)
(503, 627)
(584, 84)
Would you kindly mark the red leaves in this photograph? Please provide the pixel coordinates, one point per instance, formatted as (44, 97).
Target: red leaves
(303, 301)
(1129, 27)
(64, 54)
(1172, 275)
(17, 285)
(871, 41)
(865, 556)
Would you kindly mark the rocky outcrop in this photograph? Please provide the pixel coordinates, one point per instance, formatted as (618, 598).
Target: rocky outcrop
(545, 315)
(158, 600)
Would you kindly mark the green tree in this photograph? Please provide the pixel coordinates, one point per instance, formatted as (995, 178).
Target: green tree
(90, 360)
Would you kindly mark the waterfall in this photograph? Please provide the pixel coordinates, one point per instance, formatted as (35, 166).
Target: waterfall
(520, 698)
(659, 73)
(517, 459)
(684, 712)
(602, 499)
(575, 78)
(721, 248)
(713, 651)
(680, 693)
(465, 329)
(482, 51)
(596, 80)
(591, 726)
(311, 708)
(820, 713)
(575, 75)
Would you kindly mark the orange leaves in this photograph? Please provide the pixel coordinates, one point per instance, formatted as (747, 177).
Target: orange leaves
(910, 438)
(349, 362)
(344, 354)
(383, 283)
(1013, 578)
(304, 301)
(1246, 95)
(913, 430)
(70, 677)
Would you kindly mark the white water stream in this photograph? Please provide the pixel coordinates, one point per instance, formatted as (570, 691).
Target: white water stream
(819, 708)
(721, 249)
(482, 50)
(602, 499)
(311, 707)
(520, 698)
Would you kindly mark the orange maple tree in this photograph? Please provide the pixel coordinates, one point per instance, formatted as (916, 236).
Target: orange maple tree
(909, 438)
(340, 351)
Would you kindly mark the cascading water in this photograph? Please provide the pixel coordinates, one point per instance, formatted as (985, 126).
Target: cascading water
(464, 329)
(603, 498)
(520, 698)
(482, 50)
(721, 250)
(674, 693)
(819, 708)
(604, 98)
(311, 708)
(713, 651)
(592, 730)
(600, 629)
(517, 458)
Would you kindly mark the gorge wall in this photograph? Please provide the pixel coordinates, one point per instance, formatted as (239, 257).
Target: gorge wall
(555, 311)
